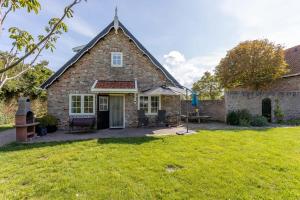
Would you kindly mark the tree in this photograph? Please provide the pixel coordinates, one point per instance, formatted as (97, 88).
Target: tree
(208, 87)
(26, 47)
(28, 84)
(252, 64)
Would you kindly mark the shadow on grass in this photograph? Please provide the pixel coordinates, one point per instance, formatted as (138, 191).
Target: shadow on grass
(15, 146)
(236, 130)
(133, 141)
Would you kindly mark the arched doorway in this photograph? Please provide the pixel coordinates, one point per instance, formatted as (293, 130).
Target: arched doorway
(267, 109)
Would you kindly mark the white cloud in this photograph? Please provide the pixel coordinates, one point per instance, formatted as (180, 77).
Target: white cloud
(277, 20)
(187, 71)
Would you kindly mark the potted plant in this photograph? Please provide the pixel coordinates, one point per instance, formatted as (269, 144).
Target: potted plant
(49, 122)
(41, 128)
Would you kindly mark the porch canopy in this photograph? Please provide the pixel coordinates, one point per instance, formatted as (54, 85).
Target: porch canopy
(164, 90)
(120, 87)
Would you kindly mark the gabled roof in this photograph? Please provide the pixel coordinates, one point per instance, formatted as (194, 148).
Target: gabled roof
(292, 57)
(94, 41)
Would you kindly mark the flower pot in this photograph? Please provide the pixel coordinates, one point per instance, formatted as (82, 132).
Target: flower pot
(51, 129)
(41, 131)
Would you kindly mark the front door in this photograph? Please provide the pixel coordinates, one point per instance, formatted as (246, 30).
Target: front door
(103, 112)
(116, 111)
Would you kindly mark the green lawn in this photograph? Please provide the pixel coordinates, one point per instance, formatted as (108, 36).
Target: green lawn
(4, 127)
(244, 164)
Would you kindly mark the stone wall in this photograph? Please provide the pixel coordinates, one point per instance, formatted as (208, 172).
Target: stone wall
(212, 108)
(96, 65)
(289, 102)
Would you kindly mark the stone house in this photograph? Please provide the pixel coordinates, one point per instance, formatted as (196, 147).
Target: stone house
(285, 92)
(110, 79)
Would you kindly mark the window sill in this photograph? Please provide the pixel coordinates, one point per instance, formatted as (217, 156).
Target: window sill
(81, 114)
(151, 114)
(117, 66)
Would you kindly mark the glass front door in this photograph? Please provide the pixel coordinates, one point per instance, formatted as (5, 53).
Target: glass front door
(116, 114)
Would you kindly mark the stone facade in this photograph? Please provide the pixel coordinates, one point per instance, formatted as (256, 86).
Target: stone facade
(96, 65)
(286, 91)
(213, 108)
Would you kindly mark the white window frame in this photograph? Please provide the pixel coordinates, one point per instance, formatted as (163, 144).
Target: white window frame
(149, 103)
(101, 104)
(112, 55)
(82, 104)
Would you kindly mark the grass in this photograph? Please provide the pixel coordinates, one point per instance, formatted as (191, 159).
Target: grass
(232, 164)
(4, 127)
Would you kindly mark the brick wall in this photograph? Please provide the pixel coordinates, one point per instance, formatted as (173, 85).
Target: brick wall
(213, 108)
(286, 90)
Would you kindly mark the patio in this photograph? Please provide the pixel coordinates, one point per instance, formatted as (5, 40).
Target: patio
(9, 136)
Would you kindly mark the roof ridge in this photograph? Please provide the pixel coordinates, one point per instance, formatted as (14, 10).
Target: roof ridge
(94, 41)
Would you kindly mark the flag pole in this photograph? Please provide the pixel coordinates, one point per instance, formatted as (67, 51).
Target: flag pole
(187, 113)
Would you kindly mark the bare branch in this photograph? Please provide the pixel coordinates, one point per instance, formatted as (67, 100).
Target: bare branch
(66, 10)
(5, 15)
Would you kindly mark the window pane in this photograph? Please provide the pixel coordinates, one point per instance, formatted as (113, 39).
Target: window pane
(88, 104)
(144, 103)
(154, 104)
(76, 104)
(117, 59)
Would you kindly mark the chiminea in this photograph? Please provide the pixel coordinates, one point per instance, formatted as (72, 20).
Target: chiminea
(25, 123)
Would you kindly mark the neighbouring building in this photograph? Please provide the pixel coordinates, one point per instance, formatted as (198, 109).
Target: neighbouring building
(286, 91)
(111, 78)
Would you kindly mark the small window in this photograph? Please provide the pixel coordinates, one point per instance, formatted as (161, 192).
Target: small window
(103, 103)
(116, 59)
(81, 104)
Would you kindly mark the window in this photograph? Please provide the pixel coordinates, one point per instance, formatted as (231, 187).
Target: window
(103, 103)
(81, 104)
(144, 103)
(150, 104)
(116, 59)
(154, 104)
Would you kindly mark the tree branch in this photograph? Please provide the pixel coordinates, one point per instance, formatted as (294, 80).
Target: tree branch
(5, 15)
(66, 10)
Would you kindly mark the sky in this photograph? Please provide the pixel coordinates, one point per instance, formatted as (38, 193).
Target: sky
(188, 37)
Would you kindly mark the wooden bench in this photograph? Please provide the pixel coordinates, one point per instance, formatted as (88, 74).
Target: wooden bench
(82, 122)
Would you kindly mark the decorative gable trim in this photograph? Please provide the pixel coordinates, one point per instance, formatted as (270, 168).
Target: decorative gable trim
(94, 41)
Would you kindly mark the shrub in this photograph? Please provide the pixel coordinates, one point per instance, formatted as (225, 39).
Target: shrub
(232, 118)
(239, 117)
(292, 122)
(259, 121)
(278, 112)
(244, 117)
(48, 120)
(244, 122)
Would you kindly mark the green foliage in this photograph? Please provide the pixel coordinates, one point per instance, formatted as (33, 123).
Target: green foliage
(28, 84)
(30, 5)
(48, 120)
(239, 117)
(244, 117)
(291, 122)
(5, 127)
(278, 112)
(252, 64)
(208, 87)
(232, 118)
(259, 121)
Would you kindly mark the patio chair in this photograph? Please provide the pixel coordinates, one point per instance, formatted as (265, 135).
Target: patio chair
(161, 118)
(142, 118)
